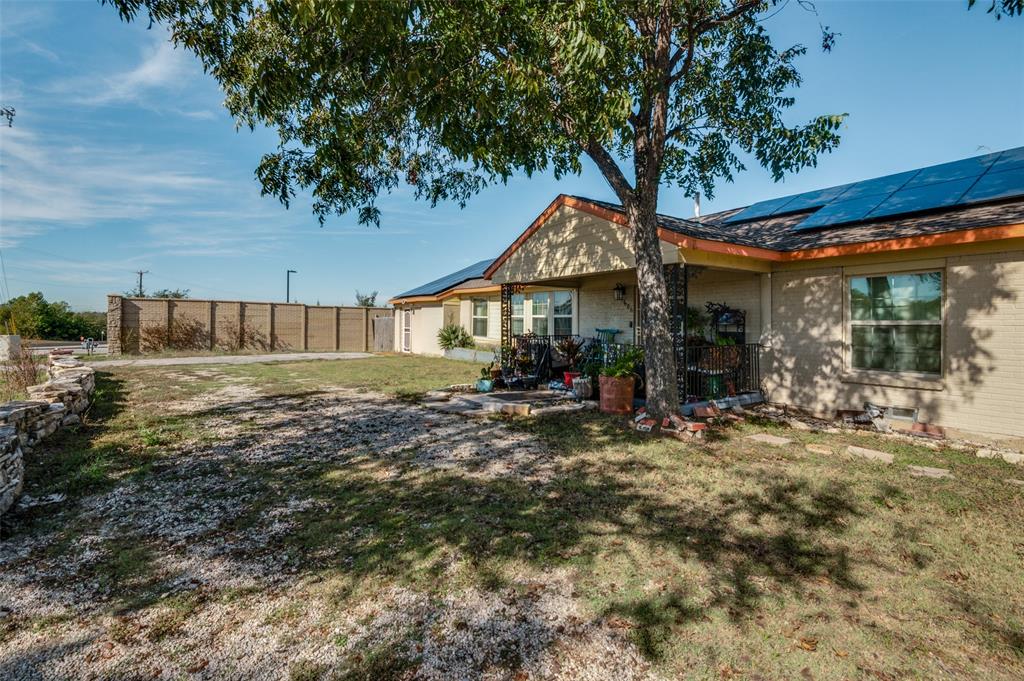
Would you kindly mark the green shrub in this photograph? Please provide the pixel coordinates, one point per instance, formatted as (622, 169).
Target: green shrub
(454, 336)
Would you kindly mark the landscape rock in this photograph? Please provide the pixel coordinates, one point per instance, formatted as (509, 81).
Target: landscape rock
(819, 449)
(768, 439)
(23, 424)
(870, 454)
(928, 472)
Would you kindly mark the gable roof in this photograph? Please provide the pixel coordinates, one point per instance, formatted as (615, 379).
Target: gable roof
(774, 237)
(449, 281)
(776, 233)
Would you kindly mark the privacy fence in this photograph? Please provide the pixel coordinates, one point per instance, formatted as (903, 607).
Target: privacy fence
(146, 325)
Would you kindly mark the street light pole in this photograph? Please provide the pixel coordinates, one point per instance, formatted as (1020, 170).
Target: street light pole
(288, 285)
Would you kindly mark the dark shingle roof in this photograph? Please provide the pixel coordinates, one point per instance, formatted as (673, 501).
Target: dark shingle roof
(776, 233)
(474, 271)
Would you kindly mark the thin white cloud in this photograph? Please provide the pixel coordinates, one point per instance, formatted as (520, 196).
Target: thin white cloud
(52, 182)
(162, 67)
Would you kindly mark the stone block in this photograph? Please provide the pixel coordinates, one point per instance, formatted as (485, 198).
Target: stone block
(870, 454)
(768, 439)
(814, 448)
(929, 472)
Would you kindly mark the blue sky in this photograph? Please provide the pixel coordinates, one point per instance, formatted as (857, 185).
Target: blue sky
(122, 157)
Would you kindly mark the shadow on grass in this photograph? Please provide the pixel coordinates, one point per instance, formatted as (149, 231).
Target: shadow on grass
(360, 518)
(80, 459)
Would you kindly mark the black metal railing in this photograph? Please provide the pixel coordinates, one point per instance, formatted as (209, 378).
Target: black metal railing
(708, 372)
(713, 371)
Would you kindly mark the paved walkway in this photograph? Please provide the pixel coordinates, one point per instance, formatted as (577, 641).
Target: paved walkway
(229, 359)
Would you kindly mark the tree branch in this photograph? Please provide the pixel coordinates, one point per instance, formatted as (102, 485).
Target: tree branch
(611, 171)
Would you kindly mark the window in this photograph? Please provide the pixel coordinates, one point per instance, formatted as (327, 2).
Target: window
(518, 310)
(407, 331)
(562, 312)
(480, 318)
(541, 304)
(896, 322)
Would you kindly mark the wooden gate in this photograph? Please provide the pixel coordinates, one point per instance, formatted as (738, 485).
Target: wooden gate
(383, 334)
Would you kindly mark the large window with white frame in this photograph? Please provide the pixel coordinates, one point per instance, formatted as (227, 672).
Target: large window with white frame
(896, 322)
(544, 313)
(480, 317)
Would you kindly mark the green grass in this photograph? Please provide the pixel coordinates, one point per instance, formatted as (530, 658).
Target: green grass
(719, 559)
(398, 375)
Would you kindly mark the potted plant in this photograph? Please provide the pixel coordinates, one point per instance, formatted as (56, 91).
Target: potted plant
(485, 384)
(571, 350)
(618, 382)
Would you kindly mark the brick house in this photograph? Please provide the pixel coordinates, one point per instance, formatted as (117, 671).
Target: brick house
(905, 290)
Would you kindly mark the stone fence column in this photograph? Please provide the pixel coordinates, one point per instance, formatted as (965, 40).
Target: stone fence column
(114, 324)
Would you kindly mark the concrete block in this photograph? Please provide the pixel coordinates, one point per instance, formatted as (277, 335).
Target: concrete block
(870, 454)
(928, 472)
(773, 440)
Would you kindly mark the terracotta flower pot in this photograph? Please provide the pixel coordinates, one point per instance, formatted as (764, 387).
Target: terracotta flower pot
(616, 394)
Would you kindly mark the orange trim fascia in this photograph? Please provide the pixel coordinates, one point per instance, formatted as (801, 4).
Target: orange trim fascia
(960, 237)
(559, 201)
(470, 291)
(964, 236)
(722, 247)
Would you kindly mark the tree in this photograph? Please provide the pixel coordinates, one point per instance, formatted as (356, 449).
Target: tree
(450, 96)
(162, 293)
(366, 299)
(32, 316)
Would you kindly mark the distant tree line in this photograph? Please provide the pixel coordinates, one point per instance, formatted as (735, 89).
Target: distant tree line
(162, 293)
(32, 316)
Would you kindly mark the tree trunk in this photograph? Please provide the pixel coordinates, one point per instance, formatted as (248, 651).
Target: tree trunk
(659, 354)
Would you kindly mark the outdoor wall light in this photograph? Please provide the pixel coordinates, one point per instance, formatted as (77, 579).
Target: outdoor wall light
(620, 292)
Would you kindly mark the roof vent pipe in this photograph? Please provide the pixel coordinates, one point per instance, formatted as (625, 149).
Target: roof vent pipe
(696, 205)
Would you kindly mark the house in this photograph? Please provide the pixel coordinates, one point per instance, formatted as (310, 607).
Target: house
(905, 290)
(463, 298)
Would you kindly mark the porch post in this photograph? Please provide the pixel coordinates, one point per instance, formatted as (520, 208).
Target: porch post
(686, 333)
(506, 314)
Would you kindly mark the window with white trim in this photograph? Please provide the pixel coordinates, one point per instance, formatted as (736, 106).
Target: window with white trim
(518, 314)
(561, 312)
(480, 318)
(896, 322)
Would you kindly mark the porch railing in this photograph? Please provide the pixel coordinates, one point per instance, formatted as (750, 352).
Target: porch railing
(715, 371)
(708, 372)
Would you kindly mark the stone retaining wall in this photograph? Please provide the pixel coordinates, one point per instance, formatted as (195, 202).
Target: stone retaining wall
(59, 402)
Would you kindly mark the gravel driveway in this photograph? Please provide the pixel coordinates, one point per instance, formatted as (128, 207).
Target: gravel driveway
(254, 555)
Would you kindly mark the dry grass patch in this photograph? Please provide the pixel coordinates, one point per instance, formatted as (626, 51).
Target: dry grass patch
(284, 517)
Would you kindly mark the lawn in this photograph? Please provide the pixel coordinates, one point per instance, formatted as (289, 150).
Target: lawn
(311, 520)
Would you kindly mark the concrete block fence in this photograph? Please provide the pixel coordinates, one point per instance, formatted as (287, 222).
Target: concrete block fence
(242, 325)
(58, 402)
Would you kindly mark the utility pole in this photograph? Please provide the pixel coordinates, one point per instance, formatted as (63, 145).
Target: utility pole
(288, 285)
(139, 292)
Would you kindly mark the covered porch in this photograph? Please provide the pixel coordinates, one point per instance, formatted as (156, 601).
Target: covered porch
(715, 326)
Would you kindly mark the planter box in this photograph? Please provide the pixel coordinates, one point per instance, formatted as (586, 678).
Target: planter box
(481, 355)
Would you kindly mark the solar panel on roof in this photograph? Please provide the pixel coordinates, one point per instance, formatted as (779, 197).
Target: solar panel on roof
(446, 282)
(811, 199)
(760, 209)
(878, 186)
(923, 197)
(955, 170)
(1008, 160)
(994, 185)
(842, 211)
